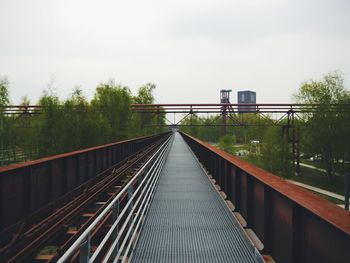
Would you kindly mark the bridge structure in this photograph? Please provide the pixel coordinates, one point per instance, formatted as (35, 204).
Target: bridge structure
(163, 198)
(284, 115)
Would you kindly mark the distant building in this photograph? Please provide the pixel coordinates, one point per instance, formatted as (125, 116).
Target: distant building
(225, 96)
(246, 97)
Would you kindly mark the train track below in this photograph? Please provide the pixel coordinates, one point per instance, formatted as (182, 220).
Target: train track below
(46, 234)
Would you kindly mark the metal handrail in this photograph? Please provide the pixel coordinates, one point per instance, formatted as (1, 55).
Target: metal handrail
(84, 238)
(113, 228)
(145, 200)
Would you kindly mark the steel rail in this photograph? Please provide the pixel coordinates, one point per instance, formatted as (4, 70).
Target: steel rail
(84, 238)
(113, 228)
(151, 181)
(46, 228)
(82, 229)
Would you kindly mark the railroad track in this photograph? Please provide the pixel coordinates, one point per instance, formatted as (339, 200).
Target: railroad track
(45, 235)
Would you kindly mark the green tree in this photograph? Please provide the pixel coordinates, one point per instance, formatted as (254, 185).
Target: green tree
(113, 102)
(50, 127)
(4, 92)
(85, 127)
(145, 94)
(74, 123)
(275, 154)
(4, 100)
(326, 132)
(227, 142)
(145, 123)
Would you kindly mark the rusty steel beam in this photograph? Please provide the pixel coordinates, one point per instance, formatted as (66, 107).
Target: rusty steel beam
(228, 104)
(270, 106)
(294, 224)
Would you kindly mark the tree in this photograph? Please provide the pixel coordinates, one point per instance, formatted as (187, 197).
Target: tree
(113, 102)
(275, 153)
(74, 123)
(50, 126)
(4, 100)
(145, 123)
(227, 142)
(4, 93)
(145, 94)
(324, 132)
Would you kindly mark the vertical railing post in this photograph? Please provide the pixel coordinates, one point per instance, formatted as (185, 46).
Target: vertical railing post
(347, 190)
(130, 193)
(85, 250)
(130, 208)
(115, 214)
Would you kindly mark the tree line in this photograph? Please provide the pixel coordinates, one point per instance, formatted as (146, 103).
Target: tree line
(75, 123)
(323, 134)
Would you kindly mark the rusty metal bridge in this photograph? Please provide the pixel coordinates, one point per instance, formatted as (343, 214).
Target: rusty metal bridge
(162, 198)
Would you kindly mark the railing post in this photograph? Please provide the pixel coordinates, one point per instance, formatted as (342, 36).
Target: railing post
(115, 213)
(130, 194)
(85, 250)
(347, 190)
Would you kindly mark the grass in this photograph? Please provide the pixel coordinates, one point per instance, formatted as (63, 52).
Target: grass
(320, 180)
(309, 176)
(340, 168)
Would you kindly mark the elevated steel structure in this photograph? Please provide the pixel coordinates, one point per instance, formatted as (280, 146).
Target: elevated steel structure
(285, 115)
(21, 109)
(290, 223)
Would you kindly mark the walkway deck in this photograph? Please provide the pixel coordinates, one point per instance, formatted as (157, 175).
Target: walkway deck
(188, 221)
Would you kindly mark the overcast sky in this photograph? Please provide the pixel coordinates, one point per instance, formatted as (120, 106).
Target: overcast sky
(190, 49)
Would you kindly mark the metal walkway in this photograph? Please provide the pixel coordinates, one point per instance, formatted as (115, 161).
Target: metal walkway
(188, 221)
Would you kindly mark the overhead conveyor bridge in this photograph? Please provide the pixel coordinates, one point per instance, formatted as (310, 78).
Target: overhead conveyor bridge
(164, 198)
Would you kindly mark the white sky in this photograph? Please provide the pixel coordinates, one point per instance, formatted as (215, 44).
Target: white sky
(189, 48)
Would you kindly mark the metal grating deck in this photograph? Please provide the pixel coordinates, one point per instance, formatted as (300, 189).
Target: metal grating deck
(188, 221)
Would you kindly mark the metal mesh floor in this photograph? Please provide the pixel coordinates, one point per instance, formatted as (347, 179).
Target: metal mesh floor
(188, 221)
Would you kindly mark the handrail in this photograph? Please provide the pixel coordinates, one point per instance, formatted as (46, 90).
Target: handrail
(150, 189)
(85, 236)
(115, 224)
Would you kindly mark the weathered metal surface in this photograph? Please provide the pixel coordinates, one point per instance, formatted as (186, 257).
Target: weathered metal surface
(188, 221)
(83, 205)
(295, 225)
(27, 187)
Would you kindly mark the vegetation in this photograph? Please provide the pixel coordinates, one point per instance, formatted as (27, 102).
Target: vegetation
(78, 123)
(74, 123)
(324, 134)
(226, 143)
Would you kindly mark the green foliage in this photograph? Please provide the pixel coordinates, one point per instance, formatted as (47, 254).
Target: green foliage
(146, 123)
(275, 154)
(145, 95)
(227, 142)
(113, 102)
(75, 123)
(4, 93)
(326, 133)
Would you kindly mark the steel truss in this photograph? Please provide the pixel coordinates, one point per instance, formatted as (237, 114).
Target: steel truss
(286, 115)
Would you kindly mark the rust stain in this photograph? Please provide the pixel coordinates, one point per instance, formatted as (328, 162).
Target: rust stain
(63, 155)
(324, 209)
